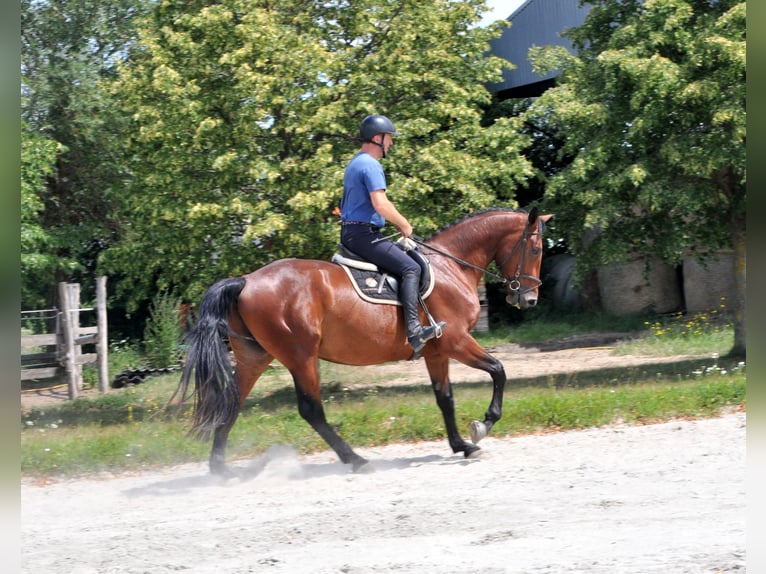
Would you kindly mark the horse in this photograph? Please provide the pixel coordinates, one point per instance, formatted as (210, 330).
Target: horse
(299, 311)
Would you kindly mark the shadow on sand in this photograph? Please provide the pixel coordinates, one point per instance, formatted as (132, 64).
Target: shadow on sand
(282, 463)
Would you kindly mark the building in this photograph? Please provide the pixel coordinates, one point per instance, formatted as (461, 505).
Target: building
(534, 23)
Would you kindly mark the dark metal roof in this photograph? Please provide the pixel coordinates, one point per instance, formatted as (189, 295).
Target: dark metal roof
(534, 23)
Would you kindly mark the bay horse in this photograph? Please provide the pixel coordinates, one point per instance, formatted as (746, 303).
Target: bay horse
(300, 310)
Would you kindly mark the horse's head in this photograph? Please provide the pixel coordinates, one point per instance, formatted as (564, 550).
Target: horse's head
(520, 262)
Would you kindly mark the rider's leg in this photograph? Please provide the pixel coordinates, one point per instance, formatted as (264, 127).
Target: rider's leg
(372, 246)
(417, 334)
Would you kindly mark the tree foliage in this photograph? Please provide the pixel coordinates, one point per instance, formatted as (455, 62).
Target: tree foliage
(245, 114)
(38, 262)
(651, 111)
(68, 50)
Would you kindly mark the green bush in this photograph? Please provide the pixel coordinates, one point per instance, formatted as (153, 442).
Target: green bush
(163, 333)
(123, 355)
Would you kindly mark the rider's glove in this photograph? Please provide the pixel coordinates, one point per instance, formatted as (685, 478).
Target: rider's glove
(406, 243)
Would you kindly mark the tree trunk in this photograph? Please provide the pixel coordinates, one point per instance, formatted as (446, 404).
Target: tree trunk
(738, 242)
(727, 181)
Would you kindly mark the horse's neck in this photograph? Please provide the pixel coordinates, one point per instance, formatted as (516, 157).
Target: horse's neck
(478, 247)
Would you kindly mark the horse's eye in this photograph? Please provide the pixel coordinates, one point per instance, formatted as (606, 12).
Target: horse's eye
(535, 251)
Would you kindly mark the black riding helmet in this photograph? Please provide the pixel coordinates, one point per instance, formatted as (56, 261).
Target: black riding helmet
(374, 125)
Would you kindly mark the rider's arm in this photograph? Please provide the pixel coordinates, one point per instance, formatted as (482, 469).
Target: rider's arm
(385, 208)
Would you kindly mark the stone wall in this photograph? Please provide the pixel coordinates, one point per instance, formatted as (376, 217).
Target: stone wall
(625, 291)
(710, 285)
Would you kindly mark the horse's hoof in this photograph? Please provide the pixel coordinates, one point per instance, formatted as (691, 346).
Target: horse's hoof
(361, 466)
(478, 431)
(472, 451)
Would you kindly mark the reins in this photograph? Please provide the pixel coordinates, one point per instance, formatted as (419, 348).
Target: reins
(419, 241)
(514, 283)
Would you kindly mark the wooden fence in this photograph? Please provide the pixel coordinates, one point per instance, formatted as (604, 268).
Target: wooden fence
(482, 325)
(59, 350)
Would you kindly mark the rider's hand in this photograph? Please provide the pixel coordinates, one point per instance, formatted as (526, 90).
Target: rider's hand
(407, 243)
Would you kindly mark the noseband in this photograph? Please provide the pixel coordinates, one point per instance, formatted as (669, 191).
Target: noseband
(513, 284)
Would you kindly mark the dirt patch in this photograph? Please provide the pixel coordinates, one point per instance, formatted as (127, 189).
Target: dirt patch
(522, 362)
(50, 393)
(582, 341)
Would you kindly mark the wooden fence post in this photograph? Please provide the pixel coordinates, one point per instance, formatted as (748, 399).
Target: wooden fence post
(73, 290)
(102, 347)
(69, 336)
(482, 325)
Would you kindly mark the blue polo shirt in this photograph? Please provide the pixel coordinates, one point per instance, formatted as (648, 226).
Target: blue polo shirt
(363, 175)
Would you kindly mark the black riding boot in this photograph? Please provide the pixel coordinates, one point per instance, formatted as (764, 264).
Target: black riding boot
(417, 334)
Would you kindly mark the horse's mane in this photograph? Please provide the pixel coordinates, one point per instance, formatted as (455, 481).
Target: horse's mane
(475, 214)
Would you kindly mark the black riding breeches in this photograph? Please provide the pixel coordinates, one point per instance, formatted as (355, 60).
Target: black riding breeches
(367, 241)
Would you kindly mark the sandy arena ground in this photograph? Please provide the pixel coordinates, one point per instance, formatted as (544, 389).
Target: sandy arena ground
(657, 499)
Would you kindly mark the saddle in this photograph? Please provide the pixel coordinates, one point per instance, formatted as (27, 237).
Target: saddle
(376, 286)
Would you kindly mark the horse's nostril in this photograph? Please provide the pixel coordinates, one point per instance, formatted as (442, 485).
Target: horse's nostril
(532, 302)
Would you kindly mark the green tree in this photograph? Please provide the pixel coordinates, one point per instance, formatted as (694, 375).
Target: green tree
(651, 111)
(245, 115)
(68, 50)
(39, 265)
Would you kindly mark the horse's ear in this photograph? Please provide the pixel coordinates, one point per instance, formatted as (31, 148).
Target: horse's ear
(532, 216)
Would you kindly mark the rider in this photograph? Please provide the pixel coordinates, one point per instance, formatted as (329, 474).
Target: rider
(365, 208)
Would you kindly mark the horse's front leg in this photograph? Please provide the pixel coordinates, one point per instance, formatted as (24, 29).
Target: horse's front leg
(472, 354)
(480, 429)
(438, 370)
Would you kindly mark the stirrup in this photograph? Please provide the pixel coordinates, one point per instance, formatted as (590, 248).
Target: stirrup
(438, 328)
(418, 342)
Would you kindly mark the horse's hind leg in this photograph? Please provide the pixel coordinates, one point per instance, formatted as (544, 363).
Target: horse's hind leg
(217, 459)
(306, 379)
(251, 362)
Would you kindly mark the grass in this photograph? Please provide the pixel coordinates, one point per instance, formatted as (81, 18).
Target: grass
(129, 429)
(679, 334)
(545, 326)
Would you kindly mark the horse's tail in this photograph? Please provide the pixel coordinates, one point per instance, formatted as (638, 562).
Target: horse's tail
(207, 365)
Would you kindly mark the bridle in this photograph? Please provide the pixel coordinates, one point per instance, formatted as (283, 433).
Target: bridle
(513, 283)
